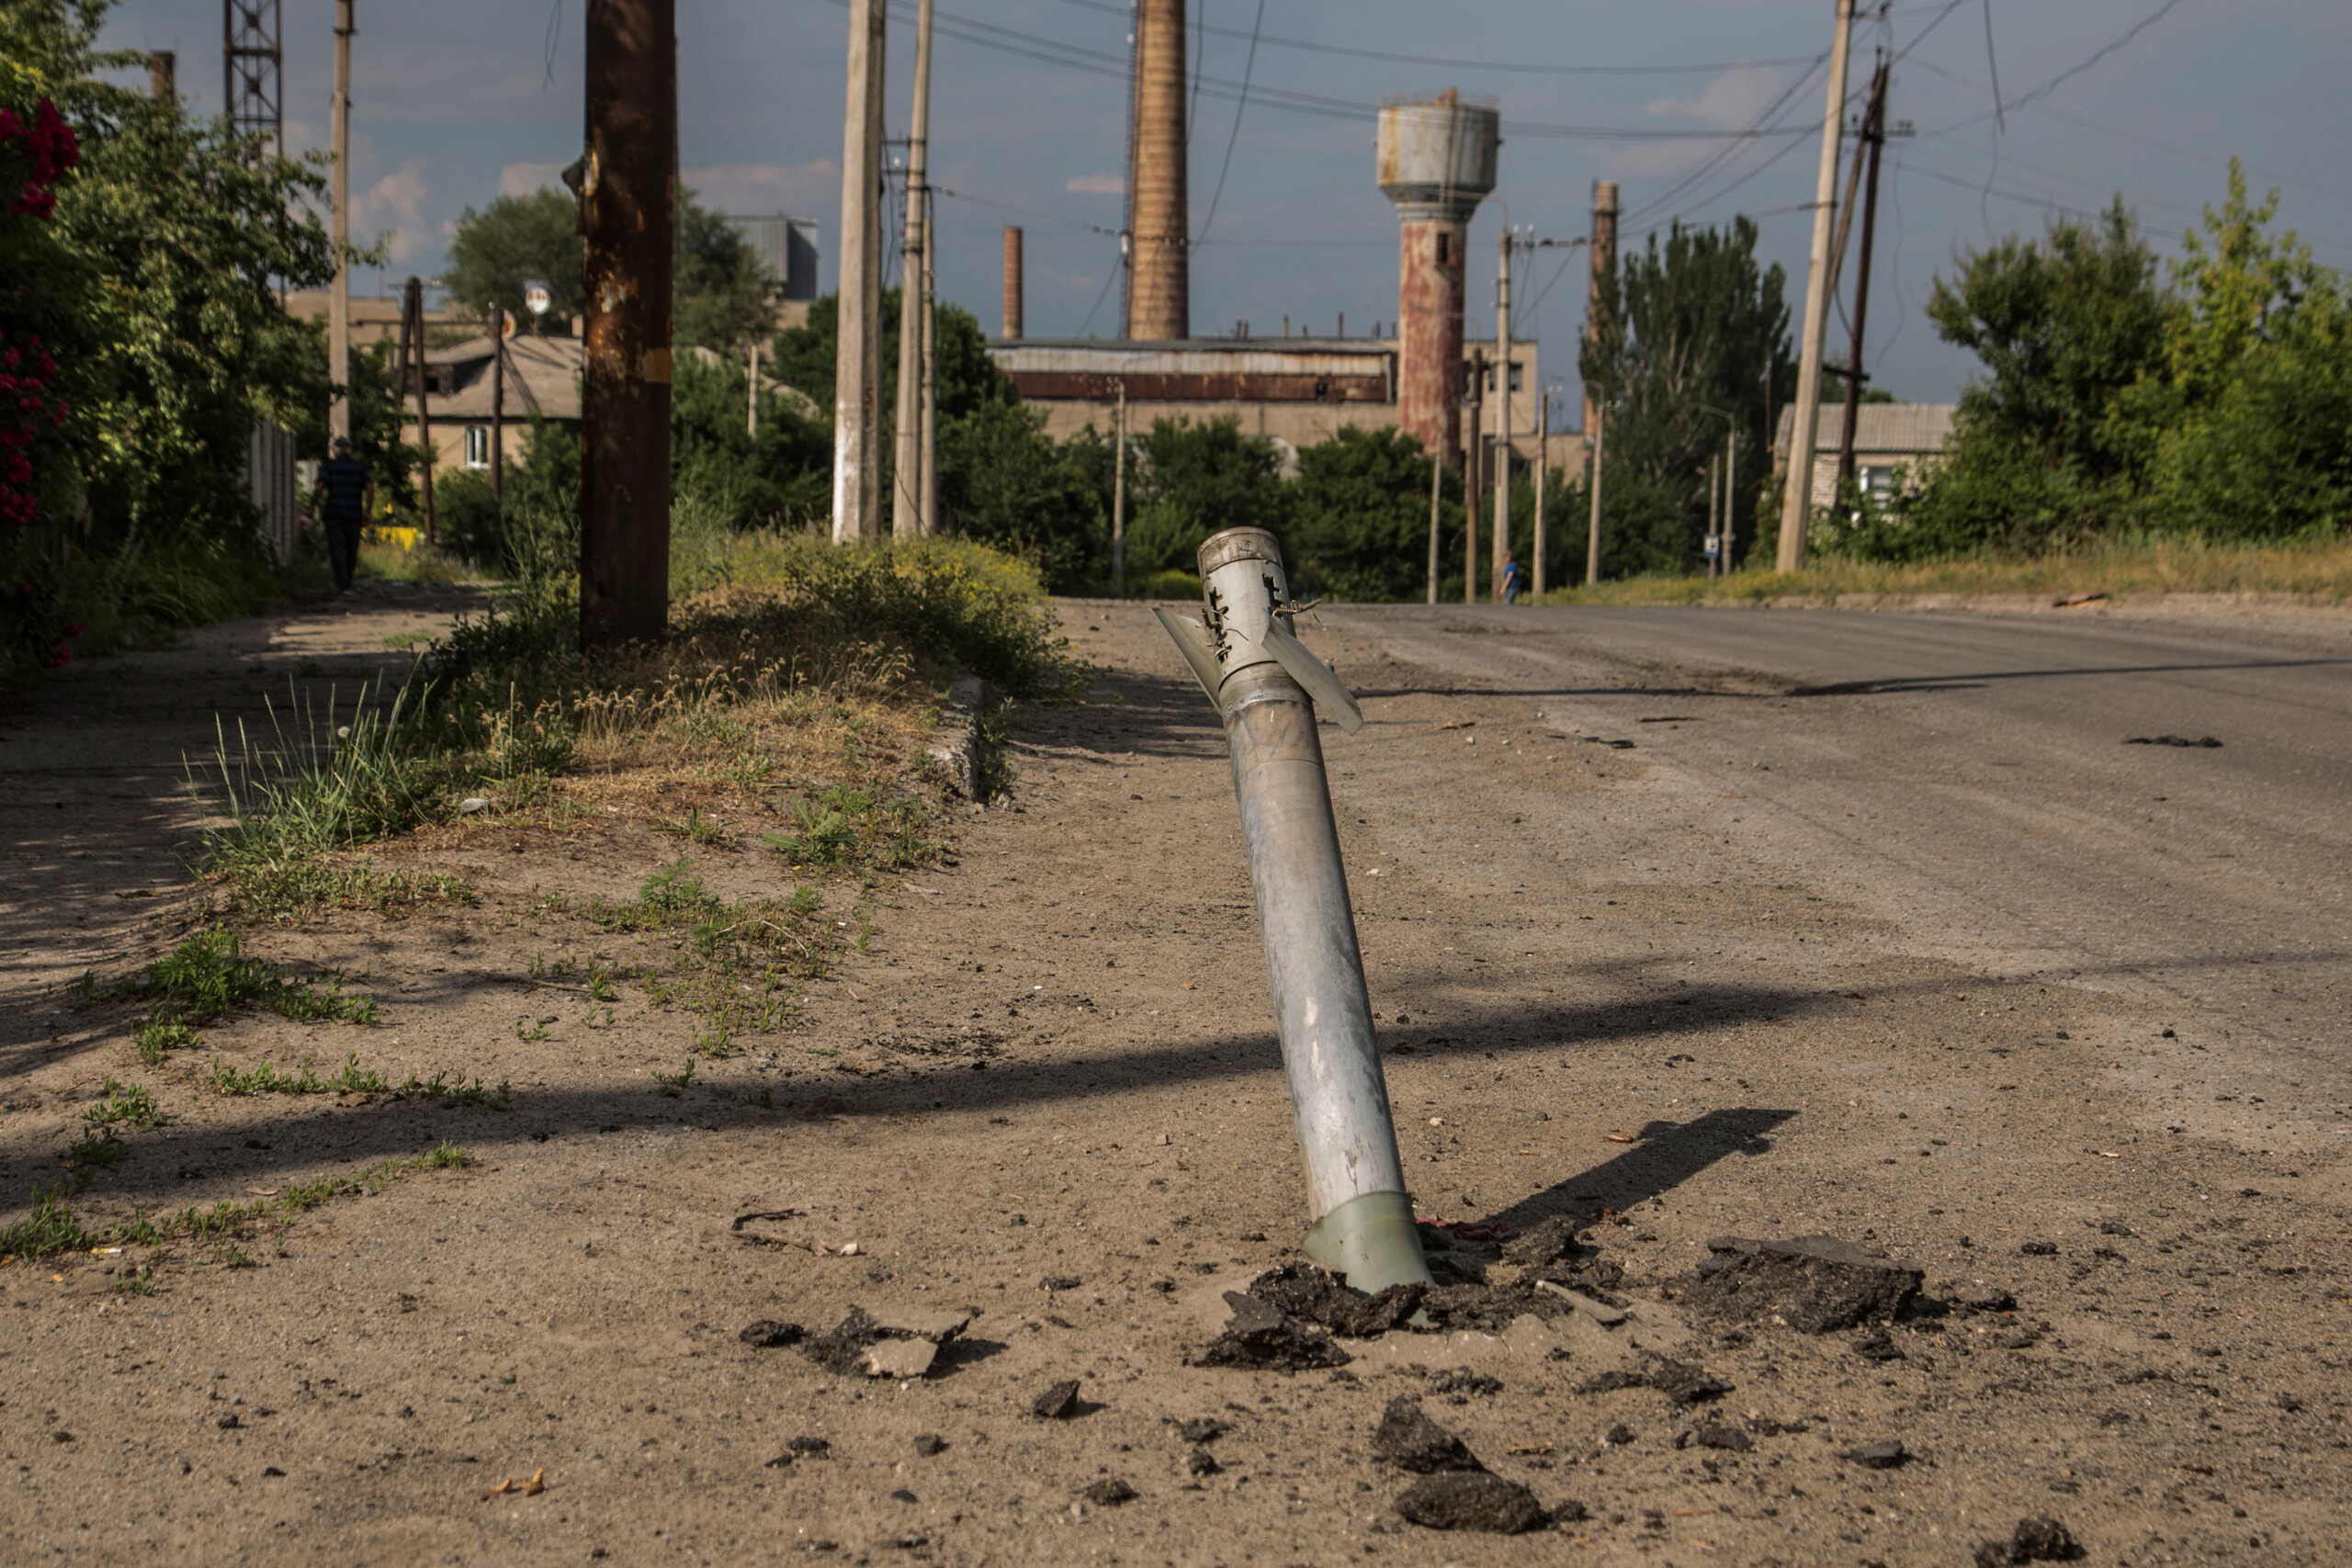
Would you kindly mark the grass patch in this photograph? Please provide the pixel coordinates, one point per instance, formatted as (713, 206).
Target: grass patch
(269, 1078)
(156, 1036)
(50, 1228)
(840, 829)
(208, 976)
(282, 885)
(423, 564)
(736, 961)
(125, 1105)
(2318, 572)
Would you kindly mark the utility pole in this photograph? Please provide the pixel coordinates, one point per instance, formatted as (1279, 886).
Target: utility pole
(413, 332)
(930, 365)
(1437, 487)
(1731, 494)
(1714, 519)
(339, 296)
(1542, 467)
(1796, 500)
(1473, 480)
(496, 326)
(1592, 529)
(1604, 261)
(857, 364)
(906, 489)
(751, 392)
(1119, 495)
(1874, 138)
(1499, 546)
(628, 221)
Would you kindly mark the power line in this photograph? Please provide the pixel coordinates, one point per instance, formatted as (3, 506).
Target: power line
(1724, 153)
(1248, 68)
(1441, 61)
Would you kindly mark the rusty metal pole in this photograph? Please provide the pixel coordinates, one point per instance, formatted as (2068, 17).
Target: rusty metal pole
(628, 214)
(339, 292)
(413, 327)
(1266, 687)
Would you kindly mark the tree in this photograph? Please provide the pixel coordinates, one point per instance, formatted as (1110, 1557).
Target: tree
(515, 240)
(1187, 480)
(1004, 482)
(803, 358)
(725, 299)
(1359, 518)
(1692, 336)
(780, 477)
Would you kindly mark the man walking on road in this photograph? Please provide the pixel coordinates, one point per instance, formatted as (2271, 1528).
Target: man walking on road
(1513, 578)
(343, 490)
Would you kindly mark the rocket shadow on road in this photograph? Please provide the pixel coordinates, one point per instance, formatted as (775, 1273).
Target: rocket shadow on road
(1669, 1154)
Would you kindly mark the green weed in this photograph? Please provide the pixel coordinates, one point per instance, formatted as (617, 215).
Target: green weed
(158, 1035)
(49, 1229)
(267, 1078)
(694, 827)
(208, 976)
(125, 1105)
(529, 1029)
(281, 885)
(672, 1084)
(141, 1284)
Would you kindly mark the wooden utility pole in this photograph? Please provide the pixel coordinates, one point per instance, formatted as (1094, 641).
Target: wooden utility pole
(1796, 499)
(339, 295)
(1592, 529)
(1437, 490)
(1499, 547)
(496, 326)
(412, 352)
(857, 347)
(930, 447)
(1874, 138)
(906, 485)
(1119, 494)
(1542, 467)
(629, 220)
(1473, 479)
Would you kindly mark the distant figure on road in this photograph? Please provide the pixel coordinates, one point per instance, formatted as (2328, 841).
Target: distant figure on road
(343, 490)
(1513, 580)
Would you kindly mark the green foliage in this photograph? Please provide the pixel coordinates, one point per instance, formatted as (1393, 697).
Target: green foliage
(1004, 482)
(157, 1036)
(125, 1105)
(1692, 339)
(209, 976)
(779, 477)
(1359, 517)
(724, 297)
(1188, 479)
(515, 241)
(154, 284)
(841, 826)
(803, 356)
(50, 1228)
(2217, 404)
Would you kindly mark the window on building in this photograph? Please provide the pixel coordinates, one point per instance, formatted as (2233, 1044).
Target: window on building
(1444, 248)
(1876, 480)
(477, 446)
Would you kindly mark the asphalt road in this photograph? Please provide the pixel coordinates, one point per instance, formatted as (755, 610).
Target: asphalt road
(1968, 779)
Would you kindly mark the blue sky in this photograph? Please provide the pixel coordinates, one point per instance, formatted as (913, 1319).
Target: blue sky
(456, 102)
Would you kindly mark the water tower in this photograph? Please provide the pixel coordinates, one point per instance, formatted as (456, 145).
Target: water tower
(1436, 163)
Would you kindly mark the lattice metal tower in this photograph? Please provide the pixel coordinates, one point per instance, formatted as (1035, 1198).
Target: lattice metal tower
(250, 63)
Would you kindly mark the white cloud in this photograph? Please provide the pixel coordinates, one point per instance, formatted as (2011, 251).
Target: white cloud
(393, 207)
(802, 190)
(1730, 101)
(1097, 185)
(521, 179)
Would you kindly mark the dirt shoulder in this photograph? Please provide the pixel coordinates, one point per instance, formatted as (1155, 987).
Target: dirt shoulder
(1047, 1091)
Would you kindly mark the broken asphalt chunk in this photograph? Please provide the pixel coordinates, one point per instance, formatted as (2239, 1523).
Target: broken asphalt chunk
(1058, 1402)
(1813, 1283)
(1471, 1500)
(887, 1343)
(2040, 1540)
(1262, 1335)
(1886, 1454)
(1409, 1439)
(1308, 1293)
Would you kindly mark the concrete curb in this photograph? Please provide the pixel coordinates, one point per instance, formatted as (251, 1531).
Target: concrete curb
(957, 746)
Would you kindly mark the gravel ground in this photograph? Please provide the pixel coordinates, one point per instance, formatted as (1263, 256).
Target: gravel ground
(1049, 1095)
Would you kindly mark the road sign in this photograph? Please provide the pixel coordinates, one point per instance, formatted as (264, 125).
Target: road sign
(1715, 546)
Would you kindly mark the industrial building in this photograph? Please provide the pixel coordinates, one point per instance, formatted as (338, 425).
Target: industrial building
(1436, 161)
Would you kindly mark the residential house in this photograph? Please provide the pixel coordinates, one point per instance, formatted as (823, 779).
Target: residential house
(541, 381)
(1889, 439)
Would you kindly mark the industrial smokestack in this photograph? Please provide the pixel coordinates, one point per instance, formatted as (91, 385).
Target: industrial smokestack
(1013, 282)
(1437, 162)
(163, 73)
(1604, 261)
(1159, 290)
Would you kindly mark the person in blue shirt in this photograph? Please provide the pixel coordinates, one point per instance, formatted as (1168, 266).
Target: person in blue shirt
(343, 490)
(1515, 579)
